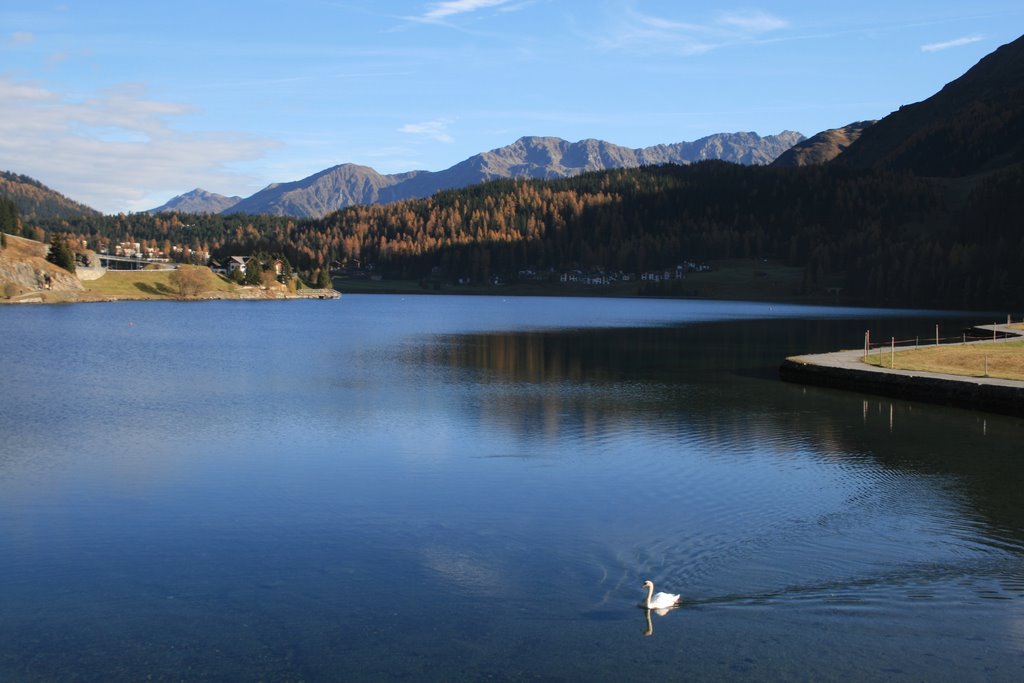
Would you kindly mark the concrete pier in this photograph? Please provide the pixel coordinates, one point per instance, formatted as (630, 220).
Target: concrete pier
(847, 370)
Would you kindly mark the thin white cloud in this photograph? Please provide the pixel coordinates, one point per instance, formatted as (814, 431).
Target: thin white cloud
(442, 10)
(634, 30)
(516, 7)
(753, 21)
(20, 38)
(957, 42)
(663, 24)
(11, 90)
(435, 130)
(56, 59)
(113, 149)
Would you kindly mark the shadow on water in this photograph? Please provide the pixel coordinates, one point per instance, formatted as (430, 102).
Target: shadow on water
(721, 380)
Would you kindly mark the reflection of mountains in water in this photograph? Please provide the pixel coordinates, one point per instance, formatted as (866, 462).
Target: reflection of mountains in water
(715, 385)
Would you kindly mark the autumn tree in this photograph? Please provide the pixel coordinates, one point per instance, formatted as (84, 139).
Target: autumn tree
(188, 280)
(268, 278)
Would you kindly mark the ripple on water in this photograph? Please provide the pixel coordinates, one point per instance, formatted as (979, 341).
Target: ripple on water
(757, 528)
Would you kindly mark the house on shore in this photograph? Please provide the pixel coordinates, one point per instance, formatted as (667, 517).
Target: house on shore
(237, 263)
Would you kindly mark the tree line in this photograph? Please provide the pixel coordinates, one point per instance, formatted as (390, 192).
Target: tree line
(882, 237)
(9, 223)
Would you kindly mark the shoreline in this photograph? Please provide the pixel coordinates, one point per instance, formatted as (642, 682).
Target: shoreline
(846, 370)
(63, 297)
(26, 277)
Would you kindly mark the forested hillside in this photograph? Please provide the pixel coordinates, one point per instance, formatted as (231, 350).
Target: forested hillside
(974, 124)
(35, 200)
(9, 223)
(880, 236)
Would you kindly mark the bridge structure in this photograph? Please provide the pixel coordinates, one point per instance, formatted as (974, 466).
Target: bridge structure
(132, 263)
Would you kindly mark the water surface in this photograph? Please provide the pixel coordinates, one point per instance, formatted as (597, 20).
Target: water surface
(471, 488)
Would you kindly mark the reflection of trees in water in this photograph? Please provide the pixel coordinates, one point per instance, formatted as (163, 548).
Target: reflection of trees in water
(592, 357)
(979, 452)
(587, 383)
(707, 351)
(716, 382)
(598, 356)
(716, 385)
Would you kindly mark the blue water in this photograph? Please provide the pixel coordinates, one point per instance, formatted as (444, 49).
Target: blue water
(467, 488)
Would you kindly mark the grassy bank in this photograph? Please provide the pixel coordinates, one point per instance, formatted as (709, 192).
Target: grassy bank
(1003, 360)
(154, 284)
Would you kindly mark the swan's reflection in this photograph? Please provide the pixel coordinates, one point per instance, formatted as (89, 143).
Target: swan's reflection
(662, 611)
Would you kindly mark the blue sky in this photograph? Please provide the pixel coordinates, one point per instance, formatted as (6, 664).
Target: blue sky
(122, 105)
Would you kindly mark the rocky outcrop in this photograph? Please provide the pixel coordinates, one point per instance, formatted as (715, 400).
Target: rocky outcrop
(24, 269)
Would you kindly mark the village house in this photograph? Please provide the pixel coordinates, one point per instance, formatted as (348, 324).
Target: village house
(237, 263)
(128, 249)
(678, 274)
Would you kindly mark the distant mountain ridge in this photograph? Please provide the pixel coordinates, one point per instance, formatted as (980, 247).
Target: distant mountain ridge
(528, 157)
(325, 191)
(822, 147)
(198, 201)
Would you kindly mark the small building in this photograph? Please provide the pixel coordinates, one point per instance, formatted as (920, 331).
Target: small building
(237, 263)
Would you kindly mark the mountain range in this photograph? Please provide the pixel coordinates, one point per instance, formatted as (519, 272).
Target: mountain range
(529, 157)
(199, 201)
(35, 200)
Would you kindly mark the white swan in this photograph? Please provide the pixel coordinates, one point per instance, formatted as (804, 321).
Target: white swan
(659, 600)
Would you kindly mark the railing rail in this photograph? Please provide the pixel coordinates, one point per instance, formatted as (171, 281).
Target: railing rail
(998, 331)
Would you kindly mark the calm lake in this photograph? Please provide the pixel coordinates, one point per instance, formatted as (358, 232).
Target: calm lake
(471, 488)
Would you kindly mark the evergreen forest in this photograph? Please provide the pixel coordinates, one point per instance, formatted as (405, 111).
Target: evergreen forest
(881, 237)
